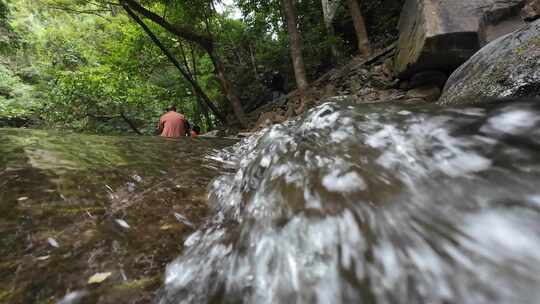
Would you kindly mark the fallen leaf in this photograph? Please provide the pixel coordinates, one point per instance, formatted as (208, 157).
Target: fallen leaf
(166, 227)
(99, 277)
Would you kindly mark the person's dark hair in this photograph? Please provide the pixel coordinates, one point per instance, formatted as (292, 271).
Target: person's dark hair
(172, 108)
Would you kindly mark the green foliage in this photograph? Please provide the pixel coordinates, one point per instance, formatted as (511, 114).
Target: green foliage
(91, 71)
(84, 65)
(5, 28)
(4, 12)
(17, 99)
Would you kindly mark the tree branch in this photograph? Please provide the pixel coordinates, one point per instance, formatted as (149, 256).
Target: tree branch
(130, 123)
(173, 60)
(97, 12)
(182, 31)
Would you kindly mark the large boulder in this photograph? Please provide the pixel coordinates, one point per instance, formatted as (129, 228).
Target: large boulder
(437, 35)
(507, 67)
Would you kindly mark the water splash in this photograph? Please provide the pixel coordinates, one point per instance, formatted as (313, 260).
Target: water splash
(373, 205)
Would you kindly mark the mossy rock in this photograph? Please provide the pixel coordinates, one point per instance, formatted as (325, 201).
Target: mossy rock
(507, 67)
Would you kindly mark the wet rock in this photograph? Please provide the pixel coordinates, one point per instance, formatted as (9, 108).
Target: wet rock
(441, 35)
(435, 78)
(507, 67)
(404, 85)
(268, 118)
(264, 120)
(244, 134)
(531, 11)
(427, 93)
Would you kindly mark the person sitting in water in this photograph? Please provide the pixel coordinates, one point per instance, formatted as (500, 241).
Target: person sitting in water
(172, 124)
(195, 131)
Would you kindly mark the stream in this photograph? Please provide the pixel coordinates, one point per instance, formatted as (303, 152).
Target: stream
(77, 207)
(364, 204)
(373, 204)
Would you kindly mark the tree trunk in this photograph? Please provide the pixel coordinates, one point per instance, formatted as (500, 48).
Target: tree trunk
(130, 123)
(184, 32)
(333, 48)
(227, 90)
(204, 110)
(193, 72)
(295, 41)
(360, 28)
(202, 107)
(253, 63)
(171, 58)
(203, 41)
(329, 8)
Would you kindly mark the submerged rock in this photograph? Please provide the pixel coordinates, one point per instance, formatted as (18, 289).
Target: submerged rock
(441, 35)
(507, 67)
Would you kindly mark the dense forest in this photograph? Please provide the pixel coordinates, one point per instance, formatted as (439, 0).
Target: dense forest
(114, 66)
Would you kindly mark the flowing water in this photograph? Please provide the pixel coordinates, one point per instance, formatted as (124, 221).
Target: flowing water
(378, 204)
(371, 204)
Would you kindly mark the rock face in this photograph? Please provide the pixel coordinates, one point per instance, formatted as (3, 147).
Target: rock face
(531, 11)
(507, 67)
(439, 35)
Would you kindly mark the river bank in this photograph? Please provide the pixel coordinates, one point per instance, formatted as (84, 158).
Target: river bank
(500, 62)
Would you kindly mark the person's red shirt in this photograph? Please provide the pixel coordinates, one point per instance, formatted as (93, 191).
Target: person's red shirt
(172, 124)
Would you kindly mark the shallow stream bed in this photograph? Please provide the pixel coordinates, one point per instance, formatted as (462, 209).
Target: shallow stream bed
(79, 208)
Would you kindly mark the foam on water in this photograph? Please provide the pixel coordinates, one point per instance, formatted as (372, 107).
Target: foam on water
(376, 205)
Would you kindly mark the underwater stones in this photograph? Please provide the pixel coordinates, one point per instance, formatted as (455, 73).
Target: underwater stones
(441, 35)
(507, 67)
